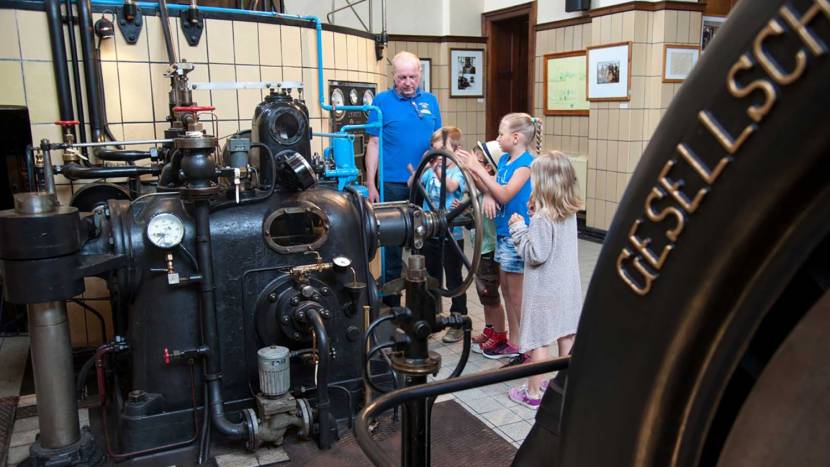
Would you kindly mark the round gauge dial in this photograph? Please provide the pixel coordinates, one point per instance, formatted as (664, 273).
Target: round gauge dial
(368, 97)
(353, 96)
(165, 230)
(341, 261)
(338, 100)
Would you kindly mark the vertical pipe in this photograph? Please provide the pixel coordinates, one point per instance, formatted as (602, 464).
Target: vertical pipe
(323, 401)
(76, 73)
(90, 70)
(53, 17)
(165, 29)
(53, 372)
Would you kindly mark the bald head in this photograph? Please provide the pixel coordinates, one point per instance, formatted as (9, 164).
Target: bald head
(406, 73)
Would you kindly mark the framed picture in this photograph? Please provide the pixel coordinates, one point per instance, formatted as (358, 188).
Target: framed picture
(466, 72)
(426, 74)
(565, 84)
(678, 61)
(710, 27)
(609, 72)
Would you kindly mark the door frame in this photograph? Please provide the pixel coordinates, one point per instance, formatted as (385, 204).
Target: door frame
(490, 91)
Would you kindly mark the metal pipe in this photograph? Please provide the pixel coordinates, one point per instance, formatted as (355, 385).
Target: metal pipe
(210, 333)
(53, 19)
(48, 171)
(121, 156)
(90, 69)
(74, 171)
(377, 454)
(119, 143)
(165, 29)
(54, 376)
(76, 72)
(323, 401)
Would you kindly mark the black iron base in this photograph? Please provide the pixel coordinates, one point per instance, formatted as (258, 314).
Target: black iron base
(83, 453)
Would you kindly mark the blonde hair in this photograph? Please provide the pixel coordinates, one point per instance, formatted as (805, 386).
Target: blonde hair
(555, 188)
(448, 135)
(527, 126)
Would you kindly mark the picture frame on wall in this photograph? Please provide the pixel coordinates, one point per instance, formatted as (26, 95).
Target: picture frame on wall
(709, 27)
(426, 74)
(608, 72)
(466, 72)
(565, 84)
(678, 61)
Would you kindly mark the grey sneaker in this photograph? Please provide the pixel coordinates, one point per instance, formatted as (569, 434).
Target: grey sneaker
(453, 335)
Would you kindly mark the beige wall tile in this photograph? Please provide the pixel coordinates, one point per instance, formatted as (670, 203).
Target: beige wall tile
(139, 131)
(613, 124)
(328, 49)
(616, 27)
(682, 27)
(612, 155)
(308, 38)
(199, 52)
(587, 34)
(9, 44)
(362, 55)
(161, 88)
(625, 125)
(602, 124)
(695, 26)
(228, 127)
(41, 95)
(568, 43)
(628, 26)
(245, 43)
(224, 101)
(658, 26)
(621, 185)
(271, 73)
(34, 35)
(220, 41)
(635, 150)
(602, 154)
(248, 98)
(270, 44)
(639, 58)
(138, 52)
(134, 79)
(640, 26)
(351, 53)
(593, 121)
(155, 38)
(112, 91)
(596, 32)
(591, 212)
(670, 26)
(11, 82)
(312, 98)
(341, 53)
(296, 74)
(602, 184)
(666, 94)
(579, 42)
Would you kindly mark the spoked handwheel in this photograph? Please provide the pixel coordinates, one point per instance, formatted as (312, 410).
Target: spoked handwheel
(467, 213)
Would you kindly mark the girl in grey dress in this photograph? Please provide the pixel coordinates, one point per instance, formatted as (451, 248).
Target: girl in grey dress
(552, 293)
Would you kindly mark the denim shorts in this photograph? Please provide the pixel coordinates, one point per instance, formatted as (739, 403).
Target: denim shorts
(507, 257)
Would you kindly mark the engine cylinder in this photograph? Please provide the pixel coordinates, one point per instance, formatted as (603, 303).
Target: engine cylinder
(274, 371)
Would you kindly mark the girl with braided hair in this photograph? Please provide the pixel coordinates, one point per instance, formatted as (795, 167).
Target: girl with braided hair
(507, 193)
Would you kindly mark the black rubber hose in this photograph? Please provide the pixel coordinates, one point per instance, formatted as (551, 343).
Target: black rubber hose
(90, 70)
(53, 17)
(97, 315)
(210, 332)
(323, 401)
(74, 171)
(30, 169)
(80, 382)
(228, 204)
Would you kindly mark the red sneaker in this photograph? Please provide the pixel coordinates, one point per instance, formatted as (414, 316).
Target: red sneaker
(494, 341)
(486, 334)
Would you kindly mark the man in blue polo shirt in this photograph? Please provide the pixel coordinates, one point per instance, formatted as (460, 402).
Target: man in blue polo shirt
(410, 115)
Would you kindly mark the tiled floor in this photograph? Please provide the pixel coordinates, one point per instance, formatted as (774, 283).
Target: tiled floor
(490, 403)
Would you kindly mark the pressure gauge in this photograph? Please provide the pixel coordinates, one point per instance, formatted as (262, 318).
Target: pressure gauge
(338, 100)
(353, 96)
(341, 261)
(368, 97)
(165, 230)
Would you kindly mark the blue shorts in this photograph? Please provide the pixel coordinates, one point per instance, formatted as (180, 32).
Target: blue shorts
(507, 257)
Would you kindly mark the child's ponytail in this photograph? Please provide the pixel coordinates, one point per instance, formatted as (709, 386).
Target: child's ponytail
(537, 133)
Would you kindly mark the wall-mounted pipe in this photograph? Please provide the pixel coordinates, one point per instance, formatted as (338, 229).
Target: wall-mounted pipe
(76, 72)
(53, 19)
(90, 69)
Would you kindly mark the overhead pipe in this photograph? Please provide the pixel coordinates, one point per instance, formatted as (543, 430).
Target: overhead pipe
(53, 18)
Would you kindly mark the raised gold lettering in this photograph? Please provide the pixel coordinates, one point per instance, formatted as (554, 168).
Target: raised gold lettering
(769, 64)
(799, 24)
(673, 188)
(648, 277)
(709, 176)
(658, 194)
(641, 244)
(755, 112)
(722, 135)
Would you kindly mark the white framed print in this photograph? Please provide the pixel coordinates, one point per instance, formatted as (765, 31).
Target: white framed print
(678, 61)
(426, 74)
(609, 72)
(466, 72)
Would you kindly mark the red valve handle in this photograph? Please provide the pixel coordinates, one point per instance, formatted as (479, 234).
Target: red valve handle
(66, 123)
(166, 354)
(194, 108)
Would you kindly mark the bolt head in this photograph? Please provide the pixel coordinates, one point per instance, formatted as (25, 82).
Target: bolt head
(295, 301)
(325, 290)
(272, 297)
(285, 319)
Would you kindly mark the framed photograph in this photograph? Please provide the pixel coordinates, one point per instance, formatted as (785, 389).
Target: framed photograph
(678, 61)
(565, 84)
(609, 72)
(466, 72)
(426, 74)
(710, 27)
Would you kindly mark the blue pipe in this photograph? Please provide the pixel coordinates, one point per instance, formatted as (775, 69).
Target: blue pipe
(208, 9)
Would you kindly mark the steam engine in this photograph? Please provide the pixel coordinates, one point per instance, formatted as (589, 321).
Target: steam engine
(240, 287)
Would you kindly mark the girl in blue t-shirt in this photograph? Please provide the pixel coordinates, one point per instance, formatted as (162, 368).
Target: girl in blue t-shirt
(505, 194)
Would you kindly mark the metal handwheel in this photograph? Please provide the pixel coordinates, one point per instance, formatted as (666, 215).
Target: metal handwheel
(467, 213)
